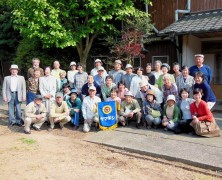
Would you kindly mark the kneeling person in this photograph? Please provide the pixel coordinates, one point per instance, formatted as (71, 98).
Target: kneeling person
(59, 112)
(130, 109)
(35, 112)
(89, 109)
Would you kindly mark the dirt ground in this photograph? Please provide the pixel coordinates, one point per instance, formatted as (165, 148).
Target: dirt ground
(63, 154)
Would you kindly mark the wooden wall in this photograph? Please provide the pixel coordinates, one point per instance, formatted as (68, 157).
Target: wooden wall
(163, 11)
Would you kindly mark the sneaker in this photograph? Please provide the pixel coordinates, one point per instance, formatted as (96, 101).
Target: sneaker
(27, 132)
(50, 129)
(35, 128)
(61, 126)
(138, 126)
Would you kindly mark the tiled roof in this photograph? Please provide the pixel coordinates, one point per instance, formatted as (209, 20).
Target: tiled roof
(201, 22)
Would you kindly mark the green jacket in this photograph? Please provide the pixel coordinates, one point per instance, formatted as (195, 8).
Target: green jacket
(133, 106)
(77, 104)
(175, 113)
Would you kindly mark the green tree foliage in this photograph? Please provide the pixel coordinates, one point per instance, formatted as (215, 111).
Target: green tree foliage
(65, 23)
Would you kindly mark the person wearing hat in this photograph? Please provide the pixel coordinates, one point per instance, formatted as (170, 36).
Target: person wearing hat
(117, 72)
(165, 68)
(71, 73)
(74, 104)
(135, 84)
(47, 88)
(169, 88)
(145, 86)
(14, 92)
(170, 114)
(199, 66)
(151, 110)
(89, 109)
(35, 65)
(66, 91)
(90, 82)
(149, 74)
(36, 113)
(59, 112)
(56, 71)
(100, 77)
(127, 78)
(157, 72)
(98, 64)
(130, 110)
(33, 86)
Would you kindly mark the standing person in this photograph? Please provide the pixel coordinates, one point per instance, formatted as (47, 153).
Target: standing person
(35, 112)
(150, 75)
(47, 87)
(208, 94)
(165, 68)
(203, 120)
(59, 112)
(106, 89)
(117, 72)
(127, 78)
(98, 64)
(71, 73)
(170, 114)
(74, 105)
(135, 84)
(89, 109)
(158, 70)
(35, 65)
(100, 77)
(199, 66)
(14, 92)
(80, 79)
(122, 90)
(176, 69)
(56, 71)
(130, 110)
(184, 80)
(151, 110)
(90, 82)
(33, 86)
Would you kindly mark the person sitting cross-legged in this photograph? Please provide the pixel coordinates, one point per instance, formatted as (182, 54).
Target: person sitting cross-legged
(35, 112)
(59, 112)
(89, 109)
(74, 103)
(129, 110)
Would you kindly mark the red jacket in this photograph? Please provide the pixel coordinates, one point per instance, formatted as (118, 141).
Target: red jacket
(202, 111)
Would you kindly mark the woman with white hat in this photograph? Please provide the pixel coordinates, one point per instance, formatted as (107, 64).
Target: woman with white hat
(71, 73)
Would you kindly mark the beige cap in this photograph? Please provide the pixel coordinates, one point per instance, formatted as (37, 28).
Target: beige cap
(129, 66)
(128, 93)
(98, 60)
(92, 88)
(171, 97)
(14, 66)
(100, 68)
(143, 83)
(118, 61)
(59, 94)
(199, 55)
(72, 63)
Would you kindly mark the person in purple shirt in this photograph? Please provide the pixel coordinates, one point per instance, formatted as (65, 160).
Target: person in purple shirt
(208, 95)
(200, 67)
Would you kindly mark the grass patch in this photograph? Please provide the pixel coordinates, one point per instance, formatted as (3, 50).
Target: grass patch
(28, 141)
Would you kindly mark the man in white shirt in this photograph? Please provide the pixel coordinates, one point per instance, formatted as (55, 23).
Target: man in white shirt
(89, 109)
(98, 64)
(14, 92)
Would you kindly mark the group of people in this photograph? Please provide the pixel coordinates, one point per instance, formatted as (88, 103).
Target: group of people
(179, 102)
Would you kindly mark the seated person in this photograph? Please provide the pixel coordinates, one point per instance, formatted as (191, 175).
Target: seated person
(201, 114)
(90, 82)
(114, 97)
(74, 104)
(89, 109)
(129, 110)
(122, 90)
(35, 112)
(151, 110)
(59, 112)
(170, 114)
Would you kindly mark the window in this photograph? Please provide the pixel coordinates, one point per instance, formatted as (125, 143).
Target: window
(218, 67)
(137, 62)
(163, 59)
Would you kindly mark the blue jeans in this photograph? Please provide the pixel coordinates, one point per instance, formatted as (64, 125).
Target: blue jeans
(75, 119)
(14, 109)
(30, 97)
(151, 120)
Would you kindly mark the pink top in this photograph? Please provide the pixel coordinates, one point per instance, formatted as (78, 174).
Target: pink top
(121, 94)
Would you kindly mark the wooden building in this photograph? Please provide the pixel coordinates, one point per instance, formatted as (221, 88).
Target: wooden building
(184, 28)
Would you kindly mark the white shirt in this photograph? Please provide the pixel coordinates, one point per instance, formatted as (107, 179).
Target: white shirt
(94, 72)
(135, 87)
(157, 74)
(14, 83)
(70, 75)
(89, 107)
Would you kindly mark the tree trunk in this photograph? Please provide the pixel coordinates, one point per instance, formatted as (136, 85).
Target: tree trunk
(84, 48)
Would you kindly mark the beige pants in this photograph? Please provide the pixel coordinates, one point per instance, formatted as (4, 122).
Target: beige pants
(37, 123)
(88, 123)
(61, 122)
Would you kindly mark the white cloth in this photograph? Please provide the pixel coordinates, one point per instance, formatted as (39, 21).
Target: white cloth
(14, 83)
(70, 75)
(157, 74)
(135, 87)
(89, 107)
